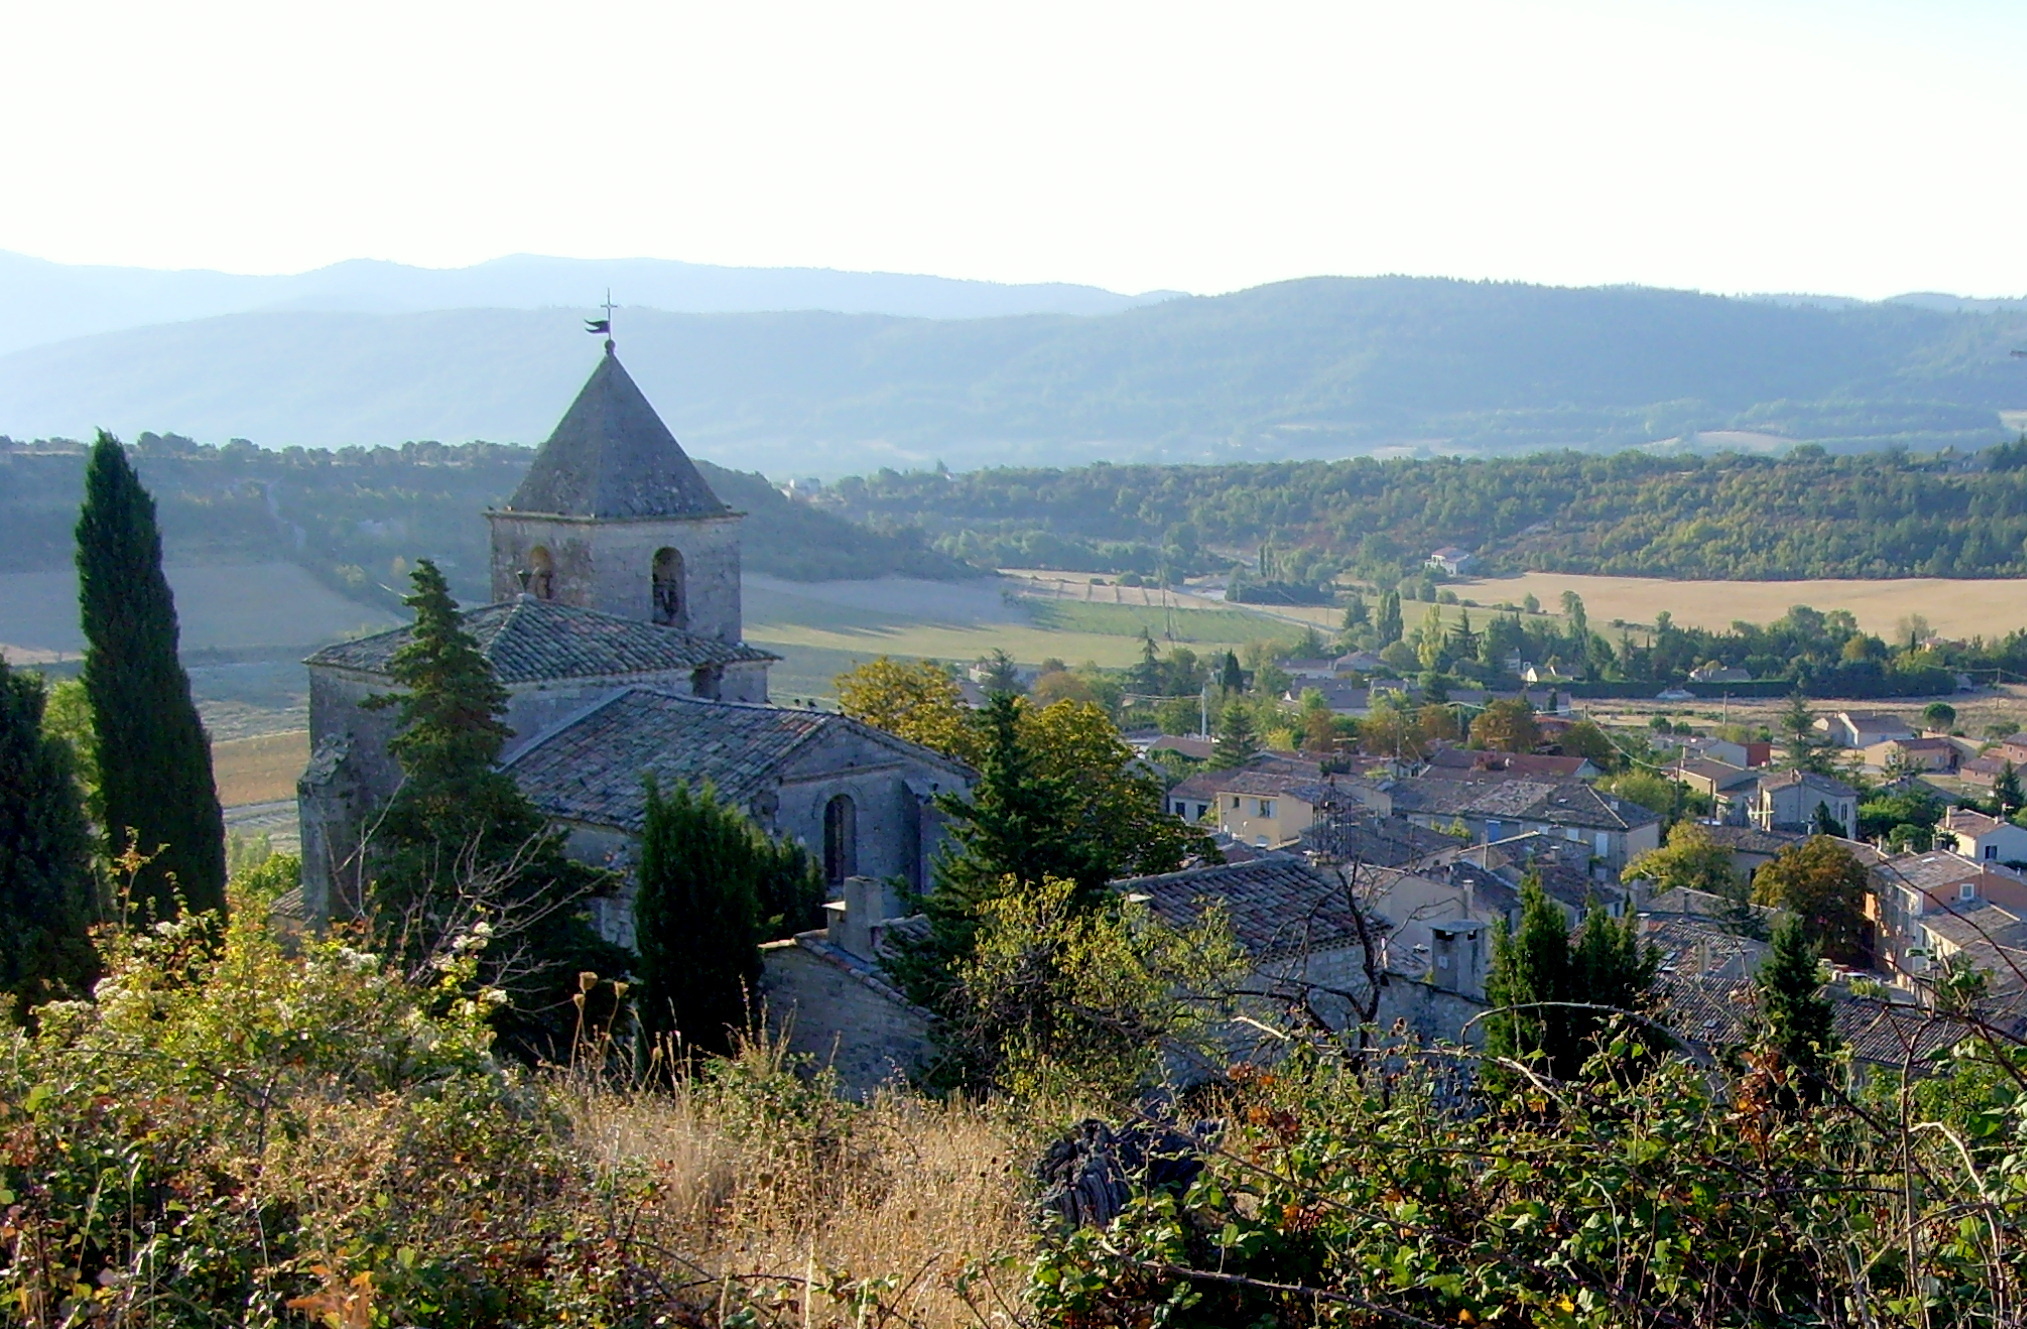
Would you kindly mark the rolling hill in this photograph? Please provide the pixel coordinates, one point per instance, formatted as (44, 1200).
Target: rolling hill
(1317, 368)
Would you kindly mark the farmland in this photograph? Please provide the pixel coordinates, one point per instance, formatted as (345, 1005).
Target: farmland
(1956, 608)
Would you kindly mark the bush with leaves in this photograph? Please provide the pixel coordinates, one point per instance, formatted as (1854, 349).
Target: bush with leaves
(1648, 1190)
(1061, 1002)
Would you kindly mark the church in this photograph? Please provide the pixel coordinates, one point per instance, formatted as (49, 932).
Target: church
(615, 629)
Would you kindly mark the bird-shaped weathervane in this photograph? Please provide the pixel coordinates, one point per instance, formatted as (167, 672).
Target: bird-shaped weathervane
(602, 326)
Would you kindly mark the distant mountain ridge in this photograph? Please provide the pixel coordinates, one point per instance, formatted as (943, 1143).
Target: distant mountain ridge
(1317, 368)
(42, 302)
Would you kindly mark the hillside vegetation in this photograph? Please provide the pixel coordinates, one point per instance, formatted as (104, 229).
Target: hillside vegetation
(1807, 514)
(357, 518)
(1322, 367)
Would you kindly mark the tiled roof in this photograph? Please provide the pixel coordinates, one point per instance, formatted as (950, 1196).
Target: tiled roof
(1970, 822)
(530, 641)
(1269, 784)
(1821, 784)
(1553, 802)
(1358, 835)
(1751, 839)
(1716, 1011)
(1936, 871)
(1448, 759)
(1721, 774)
(611, 456)
(591, 769)
(1277, 903)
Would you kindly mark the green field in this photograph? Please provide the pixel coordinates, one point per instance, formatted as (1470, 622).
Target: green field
(822, 629)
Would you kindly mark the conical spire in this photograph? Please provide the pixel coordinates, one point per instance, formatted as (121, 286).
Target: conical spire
(611, 456)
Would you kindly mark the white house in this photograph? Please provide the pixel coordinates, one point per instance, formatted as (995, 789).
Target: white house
(1862, 729)
(1982, 838)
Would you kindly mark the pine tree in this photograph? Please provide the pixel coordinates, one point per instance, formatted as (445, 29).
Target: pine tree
(1794, 1011)
(696, 919)
(155, 786)
(45, 856)
(1237, 742)
(1018, 828)
(460, 843)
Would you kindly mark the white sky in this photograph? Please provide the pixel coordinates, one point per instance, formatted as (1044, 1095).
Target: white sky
(1778, 145)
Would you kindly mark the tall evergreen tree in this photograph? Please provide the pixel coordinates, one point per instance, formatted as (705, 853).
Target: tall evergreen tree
(2006, 790)
(697, 919)
(1390, 627)
(1794, 1011)
(1551, 996)
(155, 785)
(1230, 677)
(1237, 742)
(459, 843)
(1020, 826)
(45, 856)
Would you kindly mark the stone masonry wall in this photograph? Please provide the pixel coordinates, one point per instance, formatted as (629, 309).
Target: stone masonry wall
(609, 565)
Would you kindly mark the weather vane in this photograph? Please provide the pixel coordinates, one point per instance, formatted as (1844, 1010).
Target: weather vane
(602, 326)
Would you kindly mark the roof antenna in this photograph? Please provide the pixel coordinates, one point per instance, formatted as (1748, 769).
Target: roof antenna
(595, 326)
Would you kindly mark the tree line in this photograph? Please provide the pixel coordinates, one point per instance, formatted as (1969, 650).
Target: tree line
(1805, 514)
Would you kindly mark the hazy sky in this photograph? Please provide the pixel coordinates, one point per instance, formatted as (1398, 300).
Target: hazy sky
(1778, 145)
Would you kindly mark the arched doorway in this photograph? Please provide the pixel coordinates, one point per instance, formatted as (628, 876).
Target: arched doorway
(541, 573)
(840, 839)
(668, 589)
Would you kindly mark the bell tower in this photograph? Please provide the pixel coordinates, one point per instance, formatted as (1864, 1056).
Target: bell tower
(614, 516)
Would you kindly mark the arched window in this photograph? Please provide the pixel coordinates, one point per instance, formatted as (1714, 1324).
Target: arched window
(668, 583)
(840, 839)
(541, 573)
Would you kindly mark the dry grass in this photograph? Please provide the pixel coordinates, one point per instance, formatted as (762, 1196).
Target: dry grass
(261, 769)
(914, 1207)
(1956, 608)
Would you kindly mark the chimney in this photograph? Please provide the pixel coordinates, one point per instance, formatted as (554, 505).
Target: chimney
(868, 903)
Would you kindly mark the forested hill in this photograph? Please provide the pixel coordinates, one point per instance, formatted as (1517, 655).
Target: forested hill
(359, 517)
(1317, 368)
(1808, 514)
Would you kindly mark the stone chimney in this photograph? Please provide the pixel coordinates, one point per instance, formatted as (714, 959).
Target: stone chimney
(868, 903)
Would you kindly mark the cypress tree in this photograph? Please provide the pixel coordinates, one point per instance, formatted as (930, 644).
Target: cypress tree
(1390, 626)
(1540, 982)
(459, 833)
(45, 856)
(1530, 965)
(696, 919)
(155, 785)
(1795, 1013)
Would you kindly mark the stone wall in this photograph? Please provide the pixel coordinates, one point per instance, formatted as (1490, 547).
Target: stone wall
(819, 1003)
(609, 565)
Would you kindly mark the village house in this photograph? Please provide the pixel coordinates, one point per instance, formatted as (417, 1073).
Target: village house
(1862, 729)
(1980, 838)
(1750, 847)
(1613, 829)
(1264, 808)
(1452, 560)
(1752, 754)
(1473, 762)
(1921, 905)
(1729, 788)
(1913, 754)
(1788, 801)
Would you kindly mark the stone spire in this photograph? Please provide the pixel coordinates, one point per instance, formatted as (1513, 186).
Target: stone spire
(612, 457)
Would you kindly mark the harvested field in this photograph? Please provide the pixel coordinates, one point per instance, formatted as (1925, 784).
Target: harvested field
(259, 770)
(217, 608)
(1957, 608)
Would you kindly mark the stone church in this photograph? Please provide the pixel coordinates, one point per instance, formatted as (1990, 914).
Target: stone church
(617, 634)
